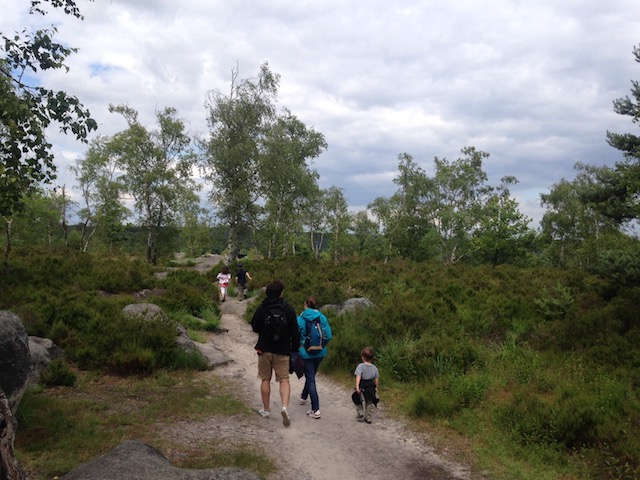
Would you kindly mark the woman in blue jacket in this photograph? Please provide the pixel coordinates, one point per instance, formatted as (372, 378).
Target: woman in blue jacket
(315, 334)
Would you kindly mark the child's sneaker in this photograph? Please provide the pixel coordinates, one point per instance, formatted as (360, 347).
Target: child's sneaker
(313, 414)
(264, 413)
(286, 421)
(303, 401)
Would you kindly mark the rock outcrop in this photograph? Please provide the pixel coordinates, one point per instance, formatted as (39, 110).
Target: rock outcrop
(350, 305)
(15, 368)
(42, 352)
(15, 358)
(134, 460)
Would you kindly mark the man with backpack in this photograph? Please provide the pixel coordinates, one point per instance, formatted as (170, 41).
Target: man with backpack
(315, 334)
(275, 323)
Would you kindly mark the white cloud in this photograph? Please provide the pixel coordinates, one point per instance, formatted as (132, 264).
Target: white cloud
(530, 82)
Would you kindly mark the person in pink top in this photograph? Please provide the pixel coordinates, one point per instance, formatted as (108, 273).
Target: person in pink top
(224, 277)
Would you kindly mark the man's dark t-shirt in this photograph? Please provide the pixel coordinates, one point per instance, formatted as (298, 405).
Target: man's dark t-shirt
(286, 345)
(241, 274)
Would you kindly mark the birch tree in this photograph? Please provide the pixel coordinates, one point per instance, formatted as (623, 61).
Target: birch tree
(158, 171)
(27, 108)
(237, 123)
(286, 179)
(454, 201)
(101, 188)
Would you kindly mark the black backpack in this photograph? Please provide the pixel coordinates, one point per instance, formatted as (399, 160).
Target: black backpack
(275, 323)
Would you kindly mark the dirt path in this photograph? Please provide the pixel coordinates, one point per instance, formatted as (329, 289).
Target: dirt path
(333, 447)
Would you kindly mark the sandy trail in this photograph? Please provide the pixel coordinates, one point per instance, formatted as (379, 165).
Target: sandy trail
(333, 447)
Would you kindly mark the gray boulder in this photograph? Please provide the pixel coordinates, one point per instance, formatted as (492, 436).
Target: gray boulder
(134, 460)
(42, 351)
(214, 356)
(351, 305)
(148, 311)
(15, 358)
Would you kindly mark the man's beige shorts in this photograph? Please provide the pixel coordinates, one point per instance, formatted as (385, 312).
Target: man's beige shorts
(268, 362)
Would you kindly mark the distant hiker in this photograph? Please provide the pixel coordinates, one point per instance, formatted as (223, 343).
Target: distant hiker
(224, 277)
(241, 281)
(275, 323)
(367, 379)
(315, 334)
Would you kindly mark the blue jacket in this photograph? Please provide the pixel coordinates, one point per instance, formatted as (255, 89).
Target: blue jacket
(311, 314)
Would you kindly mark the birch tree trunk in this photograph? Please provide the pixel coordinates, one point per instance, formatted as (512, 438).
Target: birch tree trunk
(9, 466)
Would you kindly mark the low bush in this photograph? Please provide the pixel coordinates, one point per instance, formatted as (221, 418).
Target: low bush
(189, 360)
(132, 360)
(187, 290)
(430, 401)
(58, 374)
(447, 395)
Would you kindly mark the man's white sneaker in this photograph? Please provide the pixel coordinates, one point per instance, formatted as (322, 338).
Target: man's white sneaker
(264, 413)
(313, 414)
(286, 421)
(303, 401)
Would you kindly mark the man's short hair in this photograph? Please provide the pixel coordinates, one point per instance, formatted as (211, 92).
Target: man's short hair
(274, 289)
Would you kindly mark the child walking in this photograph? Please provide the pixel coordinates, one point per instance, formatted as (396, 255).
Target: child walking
(367, 378)
(224, 277)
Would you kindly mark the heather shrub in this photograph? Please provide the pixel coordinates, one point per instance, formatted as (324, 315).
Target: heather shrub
(188, 360)
(430, 401)
(187, 290)
(209, 322)
(445, 396)
(58, 373)
(351, 333)
(132, 360)
(409, 359)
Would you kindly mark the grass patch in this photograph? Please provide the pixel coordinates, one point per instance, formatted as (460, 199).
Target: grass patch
(242, 455)
(60, 428)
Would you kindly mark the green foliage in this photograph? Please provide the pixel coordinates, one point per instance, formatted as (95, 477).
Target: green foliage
(156, 168)
(189, 360)
(187, 290)
(232, 162)
(211, 318)
(555, 304)
(133, 360)
(448, 395)
(408, 360)
(58, 373)
(572, 418)
(209, 322)
(615, 190)
(77, 300)
(28, 108)
(618, 260)
(542, 360)
(195, 236)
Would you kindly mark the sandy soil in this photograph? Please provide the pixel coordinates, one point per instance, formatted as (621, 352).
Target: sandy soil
(333, 447)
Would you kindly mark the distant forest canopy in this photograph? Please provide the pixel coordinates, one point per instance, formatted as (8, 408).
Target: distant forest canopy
(257, 163)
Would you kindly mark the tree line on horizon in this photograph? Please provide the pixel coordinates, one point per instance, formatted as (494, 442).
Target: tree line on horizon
(264, 194)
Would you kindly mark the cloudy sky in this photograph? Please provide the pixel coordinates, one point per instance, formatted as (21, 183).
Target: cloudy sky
(531, 82)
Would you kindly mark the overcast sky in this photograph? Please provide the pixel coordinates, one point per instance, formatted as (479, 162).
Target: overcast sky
(530, 82)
